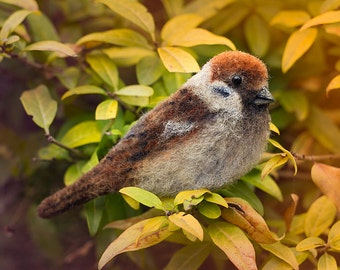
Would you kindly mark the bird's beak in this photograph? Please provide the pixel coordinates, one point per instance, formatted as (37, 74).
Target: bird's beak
(263, 97)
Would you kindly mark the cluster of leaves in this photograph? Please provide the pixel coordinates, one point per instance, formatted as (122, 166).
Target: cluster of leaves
(300, 43)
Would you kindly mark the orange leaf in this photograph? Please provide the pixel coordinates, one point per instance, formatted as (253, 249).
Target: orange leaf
(327, 179)
(249, 220)
(290, 211)
(334, 84)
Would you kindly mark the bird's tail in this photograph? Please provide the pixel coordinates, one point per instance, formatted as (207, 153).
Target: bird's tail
(88, 187)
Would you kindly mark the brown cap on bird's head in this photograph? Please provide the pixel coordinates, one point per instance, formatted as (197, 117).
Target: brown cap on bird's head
(232, 63)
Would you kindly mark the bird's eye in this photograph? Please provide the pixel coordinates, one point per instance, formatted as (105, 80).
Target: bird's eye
(236, 80)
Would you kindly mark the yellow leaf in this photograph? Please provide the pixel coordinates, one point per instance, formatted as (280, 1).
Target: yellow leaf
(178, 26)
(131, 240)
(274, 128)
(127, 56)
(83, 133)
(327, 179)
(154, 224)
(298, 43)
(327, 262)
(334, 236)
(334, 84)
(283, 252)
(12, 22)
(199, 36)
(233, 242)
(134, 12)
(273, 163)
(107, 110)
(135, 90)
(178, 60)
(143, 196)
(246, 218)
(310, 243)
(325, 18)
(291, 18)
(131, 202)
(121, 37)
(257, 35)
(216, 199)
(188, 195)
(204, 8)
(289, 154)
(188, 223)
(51, 45)
(84, 90)
(320, 216)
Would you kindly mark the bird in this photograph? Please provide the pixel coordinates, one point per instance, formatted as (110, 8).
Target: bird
(207, 134)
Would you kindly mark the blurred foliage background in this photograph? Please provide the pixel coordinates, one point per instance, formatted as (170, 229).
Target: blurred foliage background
(129, 56)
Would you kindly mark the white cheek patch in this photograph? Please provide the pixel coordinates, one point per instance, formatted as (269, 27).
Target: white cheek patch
(173, 128)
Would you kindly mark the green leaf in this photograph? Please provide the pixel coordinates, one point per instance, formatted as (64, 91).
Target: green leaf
(290, 18)
(178, 26)
(39, 104)
(329, 137)
(210, 210)
(296, 102)
(149, 70)
(283, 252)
(298, 43)
(266, 184)
(81, 134)
(131, 240)
(257, 35)
(325, 18)
(320, 216)
(143, 196)
(198, 36)
(120, 37)
(188, 223)
(134, 12)
(178, 60)
(327, 262)
(233, 242)
(73, 173)
(190, 257)
(107, 109)
(310, 243)
(84, 90)
(12, 22)
(94, 212)
(41, 27)
(51, 45)
(105, 68)
(69, 77)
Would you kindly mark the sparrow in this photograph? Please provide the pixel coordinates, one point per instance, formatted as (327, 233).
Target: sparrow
(207, 134)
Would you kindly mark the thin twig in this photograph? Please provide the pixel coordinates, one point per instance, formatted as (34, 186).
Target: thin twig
(315, 157)
(73, 152)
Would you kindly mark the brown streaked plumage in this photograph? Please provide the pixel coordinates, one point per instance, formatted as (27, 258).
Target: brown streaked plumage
(206, 135)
